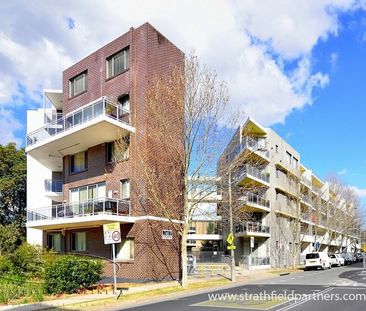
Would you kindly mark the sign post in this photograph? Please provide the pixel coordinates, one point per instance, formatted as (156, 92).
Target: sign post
(112, 235)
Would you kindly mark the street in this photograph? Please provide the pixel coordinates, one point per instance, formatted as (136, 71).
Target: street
(341, 288)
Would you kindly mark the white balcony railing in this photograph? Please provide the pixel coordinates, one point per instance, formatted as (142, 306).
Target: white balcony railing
(249, 143)
(251, 198)
(53, 185)
(101, 107)
(101, 206)
(254, 227)
(249, 170)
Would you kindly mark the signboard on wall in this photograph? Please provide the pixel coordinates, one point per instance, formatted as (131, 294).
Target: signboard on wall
(167, 235)
(112, 233)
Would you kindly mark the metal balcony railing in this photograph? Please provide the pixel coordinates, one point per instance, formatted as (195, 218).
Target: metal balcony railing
(249, 170)
(53, 185)
(99, 206)
(101, 107)
(249, 226)
(306, 198)
(249, 143)
(306, 181)
(305, 216)
(252, 198)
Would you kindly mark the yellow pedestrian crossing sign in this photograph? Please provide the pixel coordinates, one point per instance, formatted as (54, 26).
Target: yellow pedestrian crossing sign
(231, 247)
(230, 239)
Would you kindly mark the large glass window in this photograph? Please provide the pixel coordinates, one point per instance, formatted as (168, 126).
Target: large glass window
(78, 241)
(117, 63)
(89, 192)
(77, 84)
(78, 162)
(126, 249)
(54, 241)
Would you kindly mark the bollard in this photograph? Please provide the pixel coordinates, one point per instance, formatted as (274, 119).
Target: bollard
(364, 263)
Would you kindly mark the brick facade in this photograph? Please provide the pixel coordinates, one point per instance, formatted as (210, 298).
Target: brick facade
(150, 55)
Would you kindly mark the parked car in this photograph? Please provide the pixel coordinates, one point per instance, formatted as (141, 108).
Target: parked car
(340, 259)
(359, 257)
(349, 258)
(317, 260)
(334, 260)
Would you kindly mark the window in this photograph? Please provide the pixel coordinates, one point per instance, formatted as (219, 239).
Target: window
(117, 63)
(54, 242)
(85, 193)
(124, 101)
(288, 157)
(295, 162)
(78, 162)
(78, 241)
(126, 249)
(118, 150)
(125, 189)
(77, 84)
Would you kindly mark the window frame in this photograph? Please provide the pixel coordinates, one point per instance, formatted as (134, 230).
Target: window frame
(72, 161)
(73, 244)
(126, 58)
(122, 197)
(72, 93)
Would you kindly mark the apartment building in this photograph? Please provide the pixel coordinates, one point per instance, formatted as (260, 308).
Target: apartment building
(83, 164)
(288, 210)
(205, 239)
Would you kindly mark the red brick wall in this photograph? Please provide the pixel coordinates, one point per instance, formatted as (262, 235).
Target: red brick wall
(155, 258)
(151, 55)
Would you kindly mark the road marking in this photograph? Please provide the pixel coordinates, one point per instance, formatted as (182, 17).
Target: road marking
(304, 301)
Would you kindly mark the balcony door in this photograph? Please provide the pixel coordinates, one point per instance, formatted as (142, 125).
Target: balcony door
(87, 199)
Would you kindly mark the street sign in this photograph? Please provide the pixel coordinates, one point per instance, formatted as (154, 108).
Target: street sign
(231, 247)
(112, 233)
(230, 239)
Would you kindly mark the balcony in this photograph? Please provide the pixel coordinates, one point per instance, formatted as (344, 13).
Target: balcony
(95, 123)
(249, 144)
(53, 185)
(305, 181)
(72, 215)
(252, 229)
(53, 189)
(255, 202)
(306, 199)
(251, 174)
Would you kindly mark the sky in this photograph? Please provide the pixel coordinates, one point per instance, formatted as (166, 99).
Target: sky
(295, 65)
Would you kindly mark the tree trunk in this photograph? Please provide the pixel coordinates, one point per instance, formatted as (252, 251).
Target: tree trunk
(184, 275)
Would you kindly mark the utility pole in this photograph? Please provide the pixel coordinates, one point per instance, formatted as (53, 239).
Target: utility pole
(232, 251)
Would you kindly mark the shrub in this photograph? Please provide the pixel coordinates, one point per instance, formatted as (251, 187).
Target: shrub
(6, 267)
(68, 273)
(27, 260)
(8, 292)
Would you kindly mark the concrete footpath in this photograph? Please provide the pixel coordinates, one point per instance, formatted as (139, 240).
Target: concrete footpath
(86, 301)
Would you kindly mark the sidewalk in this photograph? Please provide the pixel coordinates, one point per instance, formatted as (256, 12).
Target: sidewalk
(166, 290)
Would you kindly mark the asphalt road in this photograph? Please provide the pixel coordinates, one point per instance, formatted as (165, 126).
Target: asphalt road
(335, 289)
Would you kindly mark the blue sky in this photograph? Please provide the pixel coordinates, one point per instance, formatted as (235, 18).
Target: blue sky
(295, 65)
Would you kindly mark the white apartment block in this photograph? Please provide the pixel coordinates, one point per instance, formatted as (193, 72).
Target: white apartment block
(289, 209)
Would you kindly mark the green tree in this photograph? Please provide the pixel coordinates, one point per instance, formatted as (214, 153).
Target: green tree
(13, 170)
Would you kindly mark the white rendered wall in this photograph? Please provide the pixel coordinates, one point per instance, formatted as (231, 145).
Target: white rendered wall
(36, 175)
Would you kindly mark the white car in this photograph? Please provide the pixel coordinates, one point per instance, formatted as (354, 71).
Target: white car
(340, 259)
(317, 260)
(335, 260)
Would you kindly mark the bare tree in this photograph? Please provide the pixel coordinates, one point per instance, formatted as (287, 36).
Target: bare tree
(186, 108)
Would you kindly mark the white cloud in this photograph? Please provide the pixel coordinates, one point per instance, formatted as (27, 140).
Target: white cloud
(361, 192)
(250, 43)
(342, 172)
(9, 125)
